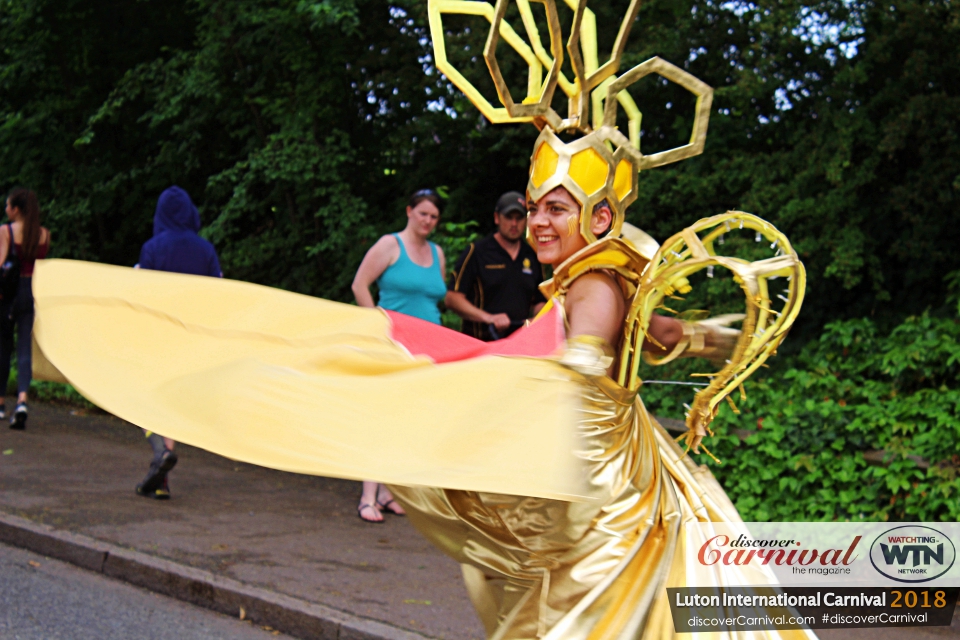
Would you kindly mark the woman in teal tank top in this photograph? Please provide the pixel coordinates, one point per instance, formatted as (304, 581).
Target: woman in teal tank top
(413, 289)
(409, 272)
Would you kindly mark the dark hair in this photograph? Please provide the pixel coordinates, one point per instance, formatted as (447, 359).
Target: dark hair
(426, 194)
(26, 201)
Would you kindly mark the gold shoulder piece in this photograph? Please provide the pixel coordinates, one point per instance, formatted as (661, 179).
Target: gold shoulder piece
(610, 254)
(640, 240)
(621, 257)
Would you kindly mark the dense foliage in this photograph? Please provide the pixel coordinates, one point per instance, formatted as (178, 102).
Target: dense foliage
(861, 425)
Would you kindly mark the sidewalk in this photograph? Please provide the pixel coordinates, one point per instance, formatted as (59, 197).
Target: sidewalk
(236, 534)
(289, 534)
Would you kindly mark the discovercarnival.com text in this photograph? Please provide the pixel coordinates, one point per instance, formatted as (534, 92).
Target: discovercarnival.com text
(758, 608)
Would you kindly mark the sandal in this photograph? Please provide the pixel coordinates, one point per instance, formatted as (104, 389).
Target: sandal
(363, 506)
(385, 506)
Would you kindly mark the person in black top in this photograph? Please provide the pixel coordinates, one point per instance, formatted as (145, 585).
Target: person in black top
(494, 283)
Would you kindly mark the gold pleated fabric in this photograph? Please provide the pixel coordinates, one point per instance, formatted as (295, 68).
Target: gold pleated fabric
(559, 495)
(540, 568)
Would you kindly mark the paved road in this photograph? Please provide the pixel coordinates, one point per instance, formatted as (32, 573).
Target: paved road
(46, 599)
(291, 534)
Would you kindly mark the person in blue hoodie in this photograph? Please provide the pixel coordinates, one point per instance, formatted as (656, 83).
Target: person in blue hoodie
(176, 247)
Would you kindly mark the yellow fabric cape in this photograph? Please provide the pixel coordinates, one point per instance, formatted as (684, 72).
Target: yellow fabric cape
(302, 384)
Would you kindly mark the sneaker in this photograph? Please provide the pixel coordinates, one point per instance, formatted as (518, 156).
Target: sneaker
(163, 491)
(19, 419)
(160, 493)
(157, 476)
(3, 411)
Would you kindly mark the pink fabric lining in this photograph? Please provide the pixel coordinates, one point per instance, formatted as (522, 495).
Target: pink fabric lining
(421, 338)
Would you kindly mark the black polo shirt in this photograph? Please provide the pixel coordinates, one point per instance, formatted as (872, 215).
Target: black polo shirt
(493, 281)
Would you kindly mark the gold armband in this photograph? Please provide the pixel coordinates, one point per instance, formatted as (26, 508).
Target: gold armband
(712, 339)
(588, 355)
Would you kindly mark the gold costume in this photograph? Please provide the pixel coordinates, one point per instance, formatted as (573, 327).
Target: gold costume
(542, 568)
(557, 492)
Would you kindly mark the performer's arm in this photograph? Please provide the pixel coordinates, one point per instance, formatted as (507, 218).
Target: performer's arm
(595, 307)
(380, 256)
(667, 332)
(712, 339)
(595, 310)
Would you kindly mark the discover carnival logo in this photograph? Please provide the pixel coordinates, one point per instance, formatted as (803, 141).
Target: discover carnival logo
(721, 549)
(912, 554)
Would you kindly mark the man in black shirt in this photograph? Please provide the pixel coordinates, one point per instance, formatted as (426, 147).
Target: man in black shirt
(494, 284)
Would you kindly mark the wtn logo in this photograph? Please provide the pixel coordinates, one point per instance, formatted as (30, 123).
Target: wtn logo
(912, 554)
(897, 554)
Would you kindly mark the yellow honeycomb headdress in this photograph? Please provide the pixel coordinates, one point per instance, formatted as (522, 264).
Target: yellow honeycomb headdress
(604, 163)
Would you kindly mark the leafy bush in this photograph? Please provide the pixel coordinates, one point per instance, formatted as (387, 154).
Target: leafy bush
(857, 426)
(48, 391)
(59, 393)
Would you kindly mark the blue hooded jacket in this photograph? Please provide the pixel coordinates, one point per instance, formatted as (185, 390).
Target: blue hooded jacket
(175, 245)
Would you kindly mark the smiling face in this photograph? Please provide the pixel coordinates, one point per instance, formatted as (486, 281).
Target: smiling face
(554, 223)
(422, 219)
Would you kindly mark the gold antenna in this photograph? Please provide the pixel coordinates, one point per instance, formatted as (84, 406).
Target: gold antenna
(592, 80)
(603, 164)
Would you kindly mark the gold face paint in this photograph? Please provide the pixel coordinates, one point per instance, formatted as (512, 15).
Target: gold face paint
(572, 225)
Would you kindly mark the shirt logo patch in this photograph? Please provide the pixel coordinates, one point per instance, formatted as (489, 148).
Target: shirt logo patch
(496, 266)
(526, 266)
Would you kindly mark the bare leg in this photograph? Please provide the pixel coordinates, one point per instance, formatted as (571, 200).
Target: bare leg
(368, 503)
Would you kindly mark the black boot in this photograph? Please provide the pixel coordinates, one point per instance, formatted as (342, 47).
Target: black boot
(163, 461)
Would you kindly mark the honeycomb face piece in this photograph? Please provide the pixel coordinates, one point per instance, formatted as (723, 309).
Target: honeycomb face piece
(623, 179)
(589, 170)
(544, 164)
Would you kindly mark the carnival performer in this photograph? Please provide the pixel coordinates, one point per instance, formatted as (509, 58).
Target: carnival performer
(409, 272)
(542, 568)
(563, 499)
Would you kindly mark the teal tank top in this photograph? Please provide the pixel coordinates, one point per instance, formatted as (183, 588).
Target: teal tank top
(408, 288)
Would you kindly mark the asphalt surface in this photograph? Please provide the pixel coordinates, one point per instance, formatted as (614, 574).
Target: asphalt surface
(290, 534)
(45, 599)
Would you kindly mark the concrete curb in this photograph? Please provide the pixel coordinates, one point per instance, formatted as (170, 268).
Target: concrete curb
(289, 615)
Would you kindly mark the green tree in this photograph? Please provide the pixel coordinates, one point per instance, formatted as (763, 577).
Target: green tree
(300, 126)
(58, 61)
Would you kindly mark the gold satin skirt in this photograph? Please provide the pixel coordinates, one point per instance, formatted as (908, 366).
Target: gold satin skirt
(542, 568)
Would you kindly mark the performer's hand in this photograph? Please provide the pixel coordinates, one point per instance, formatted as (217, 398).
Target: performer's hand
(500, 321)
(720, 338)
